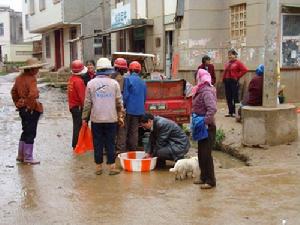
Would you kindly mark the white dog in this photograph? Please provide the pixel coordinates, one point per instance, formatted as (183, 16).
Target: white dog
(186, 168)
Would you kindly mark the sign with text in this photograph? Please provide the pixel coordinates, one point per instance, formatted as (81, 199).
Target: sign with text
(120, 16)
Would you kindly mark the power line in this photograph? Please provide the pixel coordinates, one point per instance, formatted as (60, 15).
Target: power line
(88, 13)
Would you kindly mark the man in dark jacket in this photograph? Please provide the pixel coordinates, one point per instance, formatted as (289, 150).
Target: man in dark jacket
(167, 139)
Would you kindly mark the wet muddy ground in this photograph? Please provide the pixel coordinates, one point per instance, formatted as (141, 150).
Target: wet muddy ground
(64, 189)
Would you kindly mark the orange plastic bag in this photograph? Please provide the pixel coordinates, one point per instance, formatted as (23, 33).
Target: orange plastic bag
(85, 140)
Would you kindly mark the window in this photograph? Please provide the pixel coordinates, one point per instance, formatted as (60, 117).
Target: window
(238, 17)
(157, 42)
(290, 40)
(27, 22)
(98, 51)
(42, 5)
(1, 29)
(97, 43)
(121, 41)
(73, 45)
(31, 7)
(56, 1)
(47, 44)
(106, 45)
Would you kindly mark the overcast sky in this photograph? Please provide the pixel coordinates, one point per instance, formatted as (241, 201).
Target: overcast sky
(15, 4)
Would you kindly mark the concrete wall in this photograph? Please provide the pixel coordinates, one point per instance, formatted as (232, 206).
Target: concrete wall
(206, 36)
(18, 52)
(48, 18)
(97, 20)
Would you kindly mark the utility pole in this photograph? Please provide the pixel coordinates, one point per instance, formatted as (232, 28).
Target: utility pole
(272, 48)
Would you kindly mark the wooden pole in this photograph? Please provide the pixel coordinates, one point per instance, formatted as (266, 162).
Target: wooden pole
(272, 49)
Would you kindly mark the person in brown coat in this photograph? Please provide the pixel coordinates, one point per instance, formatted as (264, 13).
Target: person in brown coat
(25, 96)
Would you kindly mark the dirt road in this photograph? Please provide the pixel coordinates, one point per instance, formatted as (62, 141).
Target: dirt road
(64, 190)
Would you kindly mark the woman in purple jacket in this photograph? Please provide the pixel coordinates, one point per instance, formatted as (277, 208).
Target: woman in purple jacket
(205, 104)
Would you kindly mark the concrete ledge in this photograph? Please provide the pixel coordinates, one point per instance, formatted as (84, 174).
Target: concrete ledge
(269, 126)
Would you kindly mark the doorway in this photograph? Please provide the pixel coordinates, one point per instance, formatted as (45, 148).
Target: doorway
(58, 37)
(139, 39)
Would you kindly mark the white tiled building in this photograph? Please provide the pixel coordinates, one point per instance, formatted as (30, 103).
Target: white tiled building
(12, 48)
(59, 22)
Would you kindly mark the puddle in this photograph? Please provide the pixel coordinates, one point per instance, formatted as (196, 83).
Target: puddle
(226, 161)
(221, 159)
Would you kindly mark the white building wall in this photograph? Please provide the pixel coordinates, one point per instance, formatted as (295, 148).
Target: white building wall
(27, 36)
(20, 52)
(51, 16)
(170, 7)
(4, 18)
(141, 9)
(66, 48)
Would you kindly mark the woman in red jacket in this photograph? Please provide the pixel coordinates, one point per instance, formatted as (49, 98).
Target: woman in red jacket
(234, 70)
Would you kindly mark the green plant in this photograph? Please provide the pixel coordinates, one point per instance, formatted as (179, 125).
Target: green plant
(220, 136)
(186, 129)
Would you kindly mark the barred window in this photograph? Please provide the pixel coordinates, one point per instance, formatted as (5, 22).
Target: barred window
(238, 17)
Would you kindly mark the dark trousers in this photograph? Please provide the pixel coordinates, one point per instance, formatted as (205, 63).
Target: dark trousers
(104, 134)
(77, 121)
(29, 125)
(205, 158)
(164, 154)
(121, 139)
(132, 132)
(232, 94)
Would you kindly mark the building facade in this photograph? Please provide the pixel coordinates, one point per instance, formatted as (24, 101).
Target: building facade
(181, 32)
(12, 48)
(67, 28)
(31, 38)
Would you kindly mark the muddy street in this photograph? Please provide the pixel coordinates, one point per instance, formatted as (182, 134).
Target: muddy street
(63, 189)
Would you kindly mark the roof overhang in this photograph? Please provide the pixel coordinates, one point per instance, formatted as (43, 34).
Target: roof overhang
(51, 27)
(132, 55)
(135, 23)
